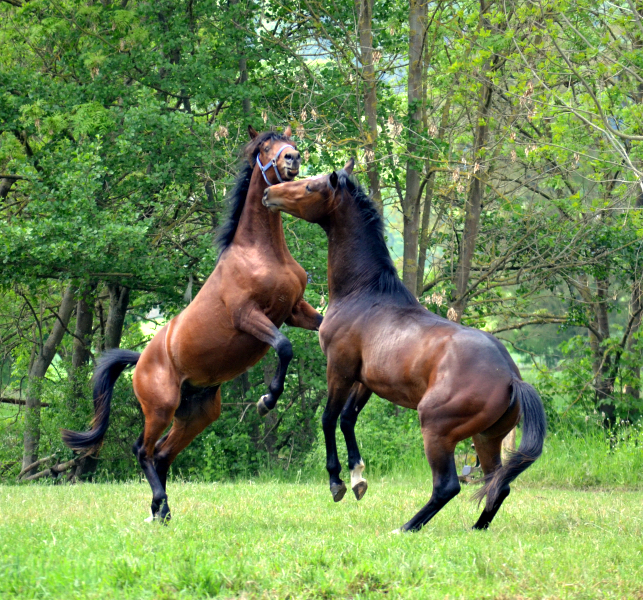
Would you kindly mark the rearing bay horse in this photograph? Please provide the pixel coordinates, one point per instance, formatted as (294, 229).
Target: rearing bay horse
(378, 338)
(255, 287)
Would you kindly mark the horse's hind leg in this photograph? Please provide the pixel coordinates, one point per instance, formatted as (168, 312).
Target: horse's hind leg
(439, 450)
(356, 401)
(157, 390)
(156, 422)
(187, 425)
(489, 453)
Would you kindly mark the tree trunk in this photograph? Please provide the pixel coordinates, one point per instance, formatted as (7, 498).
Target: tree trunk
(83, 331)
(80, 357)
(82, 340)
(118, 301)
(37, 372)
(428, 201)
(473, 207)
(634, 371)
(603, 372)
(411, 205)
(365, 19)
(424, 233)
(5, 186)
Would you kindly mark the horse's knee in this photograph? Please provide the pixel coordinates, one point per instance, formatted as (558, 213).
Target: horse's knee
(284, 349)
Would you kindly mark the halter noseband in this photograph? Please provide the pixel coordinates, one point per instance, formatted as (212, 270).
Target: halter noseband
(273, 163)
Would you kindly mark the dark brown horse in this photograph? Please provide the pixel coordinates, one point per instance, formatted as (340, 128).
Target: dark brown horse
(378, 338)
(255, 287)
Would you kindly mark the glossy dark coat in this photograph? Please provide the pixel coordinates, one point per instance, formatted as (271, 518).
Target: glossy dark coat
(378, 338)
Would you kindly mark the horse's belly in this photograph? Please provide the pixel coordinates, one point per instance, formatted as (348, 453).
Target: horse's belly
(202, 364)
(207, 349)
(393, 369)
(400, 392)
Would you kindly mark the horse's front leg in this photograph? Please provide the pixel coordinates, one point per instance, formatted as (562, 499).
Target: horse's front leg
(305, 316)
(256, 323)
(357, 400)
(338, 390)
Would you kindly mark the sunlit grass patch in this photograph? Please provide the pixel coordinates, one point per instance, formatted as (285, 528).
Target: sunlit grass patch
(276, 540)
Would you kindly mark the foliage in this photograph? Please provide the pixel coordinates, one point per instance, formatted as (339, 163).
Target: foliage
(120, 127)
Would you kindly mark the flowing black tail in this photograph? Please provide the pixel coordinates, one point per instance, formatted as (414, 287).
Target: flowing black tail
(110, 365)
(534, 428)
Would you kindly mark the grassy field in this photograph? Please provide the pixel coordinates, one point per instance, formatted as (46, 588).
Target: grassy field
(287, 540)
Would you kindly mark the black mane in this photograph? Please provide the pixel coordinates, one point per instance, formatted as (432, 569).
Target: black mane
(237, 198)
(380, 276)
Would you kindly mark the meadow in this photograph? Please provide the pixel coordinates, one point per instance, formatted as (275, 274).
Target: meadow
(572, 528)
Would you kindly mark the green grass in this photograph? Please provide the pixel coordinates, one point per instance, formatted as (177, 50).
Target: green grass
(279, 540)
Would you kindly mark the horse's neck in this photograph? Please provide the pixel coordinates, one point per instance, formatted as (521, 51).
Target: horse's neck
(352, 250)
(259, 226)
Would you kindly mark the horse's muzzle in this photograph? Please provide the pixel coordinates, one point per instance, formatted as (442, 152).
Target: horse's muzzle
(291, 173)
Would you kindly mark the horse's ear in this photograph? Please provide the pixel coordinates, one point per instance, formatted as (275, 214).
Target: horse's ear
(348, 167)
(288, 131)
(252, 132)
(332, 179)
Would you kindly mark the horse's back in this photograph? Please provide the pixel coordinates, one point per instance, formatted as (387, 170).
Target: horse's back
(402, 352)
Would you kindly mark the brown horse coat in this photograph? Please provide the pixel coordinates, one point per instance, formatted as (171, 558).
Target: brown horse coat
(255, 287)
(378, 338)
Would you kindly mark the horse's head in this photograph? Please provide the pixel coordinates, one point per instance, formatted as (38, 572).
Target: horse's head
(310, 199)
(276, 154)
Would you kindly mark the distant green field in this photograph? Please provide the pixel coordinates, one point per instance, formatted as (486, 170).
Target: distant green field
(287, 540)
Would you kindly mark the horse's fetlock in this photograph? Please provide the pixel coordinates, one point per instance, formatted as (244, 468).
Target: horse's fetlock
(275, 391)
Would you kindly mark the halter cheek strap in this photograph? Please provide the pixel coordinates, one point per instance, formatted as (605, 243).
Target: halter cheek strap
(273, 163)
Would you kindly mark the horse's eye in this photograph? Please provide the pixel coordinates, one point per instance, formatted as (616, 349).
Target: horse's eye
(308, 188)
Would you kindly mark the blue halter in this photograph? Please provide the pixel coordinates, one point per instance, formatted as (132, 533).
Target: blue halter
(273, 163)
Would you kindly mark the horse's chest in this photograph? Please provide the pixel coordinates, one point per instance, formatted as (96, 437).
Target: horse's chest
(282, 291)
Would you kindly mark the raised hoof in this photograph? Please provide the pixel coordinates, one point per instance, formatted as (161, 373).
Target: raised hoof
(338, 491)
(359, 489)
(262, 409)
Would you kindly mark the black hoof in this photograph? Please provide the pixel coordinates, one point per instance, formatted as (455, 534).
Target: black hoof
(262, 408)
(359, 489)
(338, 490)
